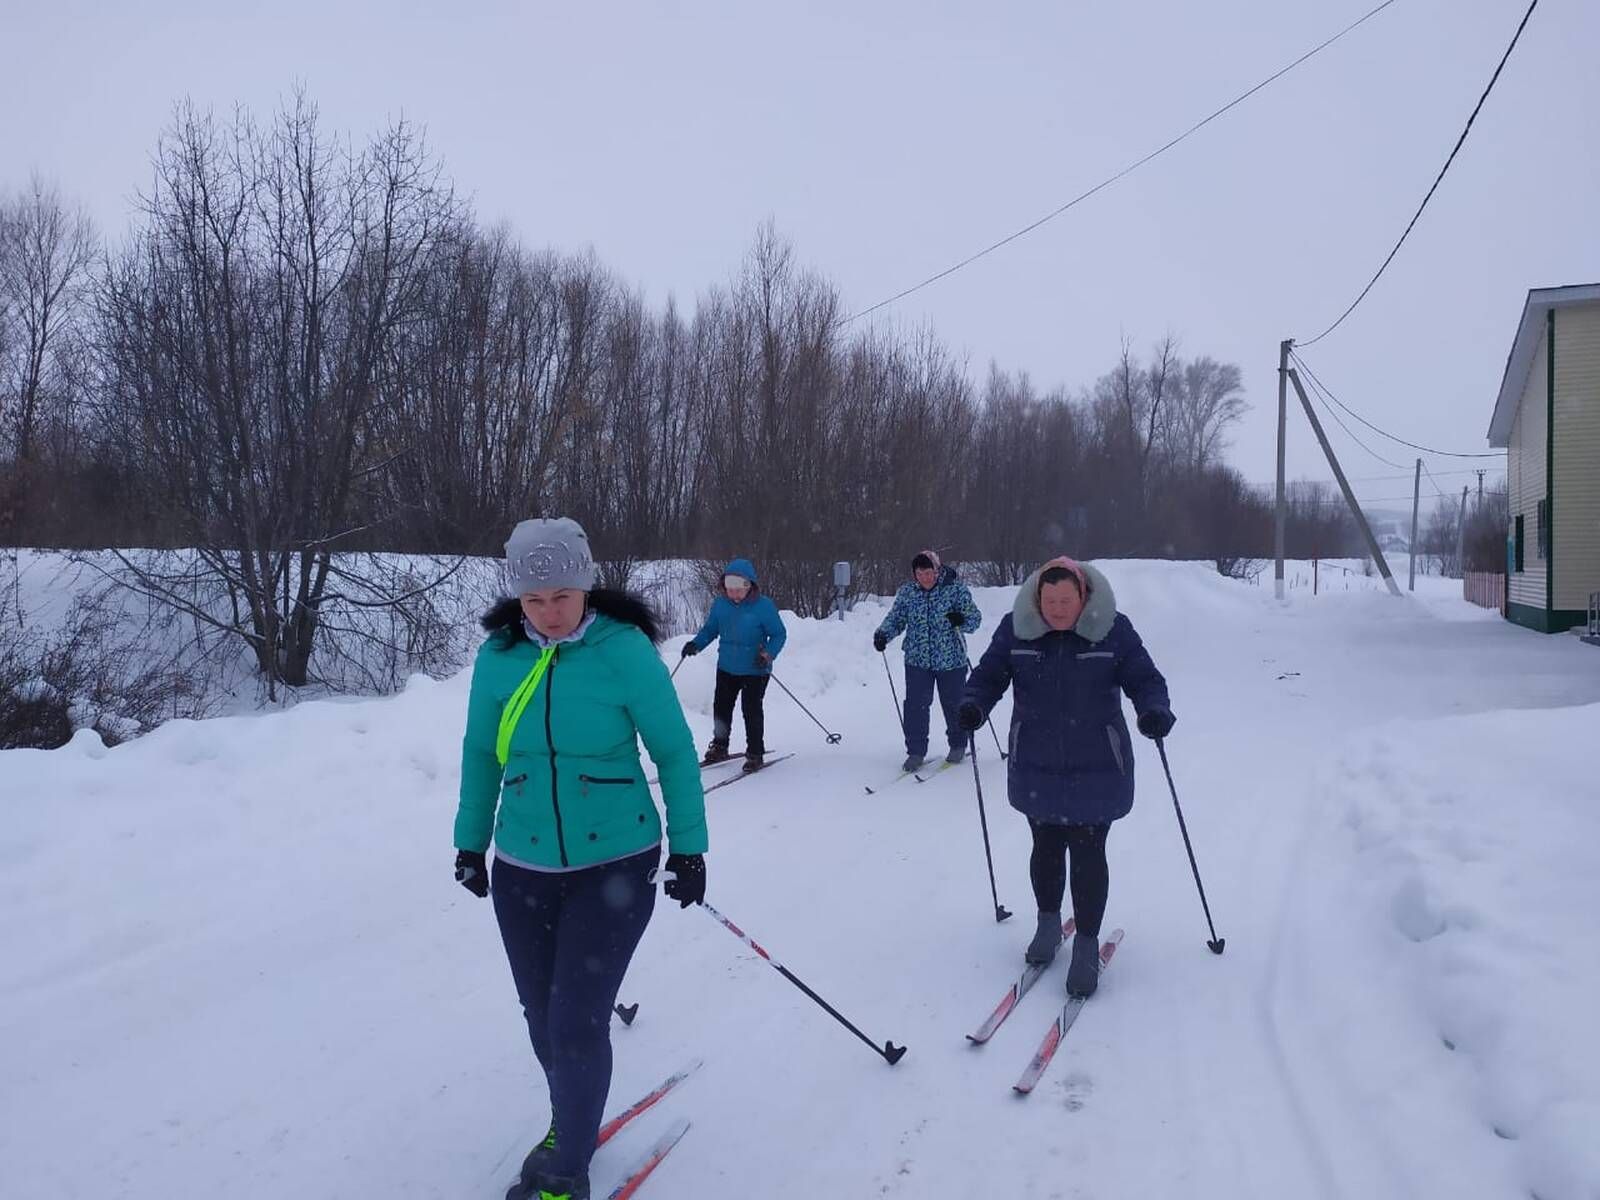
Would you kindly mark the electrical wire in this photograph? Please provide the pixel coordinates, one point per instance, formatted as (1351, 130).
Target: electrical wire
(1460, 141)
(1317, 383)
(1122, 174)
(1316, 392)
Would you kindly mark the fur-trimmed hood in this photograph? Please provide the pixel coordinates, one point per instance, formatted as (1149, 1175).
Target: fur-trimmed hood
(1094, 623)
(504, 619)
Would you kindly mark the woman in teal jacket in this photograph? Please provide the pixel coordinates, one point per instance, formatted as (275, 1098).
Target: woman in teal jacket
(752, 635)
(564, 688)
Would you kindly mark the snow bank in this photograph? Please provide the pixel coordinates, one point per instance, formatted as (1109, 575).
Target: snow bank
(1475, 838)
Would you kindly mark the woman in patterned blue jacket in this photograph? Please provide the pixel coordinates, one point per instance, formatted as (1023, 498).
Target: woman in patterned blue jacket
(935, 612)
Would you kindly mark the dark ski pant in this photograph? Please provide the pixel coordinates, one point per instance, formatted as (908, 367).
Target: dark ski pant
(569, 936)
(920, 686)
(1091, 878)
(749, 690)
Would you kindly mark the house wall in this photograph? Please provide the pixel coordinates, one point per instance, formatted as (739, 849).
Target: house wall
(1526, 476)
(1577, 457)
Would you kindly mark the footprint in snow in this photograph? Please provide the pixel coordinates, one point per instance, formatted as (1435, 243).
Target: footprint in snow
(1075, 1089)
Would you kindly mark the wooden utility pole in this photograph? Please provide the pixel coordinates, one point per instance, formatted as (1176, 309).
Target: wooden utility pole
(1344, 484)
(1416, 503)
(1461, 536)
(1283, 433)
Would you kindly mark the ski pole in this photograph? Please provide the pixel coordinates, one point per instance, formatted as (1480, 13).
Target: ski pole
(833, 738)
(1000, 912)
(679, 667)
(889, 1051)
(999, 749)
(626, 1011)
(1216, 944)
(898, 716)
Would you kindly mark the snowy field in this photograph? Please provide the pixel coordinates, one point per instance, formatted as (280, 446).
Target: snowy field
(236, 964)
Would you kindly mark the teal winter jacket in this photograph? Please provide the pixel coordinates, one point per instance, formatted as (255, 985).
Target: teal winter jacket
(572, 790)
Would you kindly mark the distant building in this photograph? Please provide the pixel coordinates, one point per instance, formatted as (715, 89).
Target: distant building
(1547, 419)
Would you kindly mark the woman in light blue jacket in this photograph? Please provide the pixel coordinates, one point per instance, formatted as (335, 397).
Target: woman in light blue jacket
(751, 634)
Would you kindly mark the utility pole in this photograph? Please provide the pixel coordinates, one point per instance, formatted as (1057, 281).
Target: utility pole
(1461, 534)
(1480, 485)
(1283, 431)
(1344, 484)
(1416, 503)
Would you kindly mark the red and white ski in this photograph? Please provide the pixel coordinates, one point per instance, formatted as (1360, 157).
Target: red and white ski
(648, 1162)
(1058, 1028)
(645, 1103)
(1014, 995)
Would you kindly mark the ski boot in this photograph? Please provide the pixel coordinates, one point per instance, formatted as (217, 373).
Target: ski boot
(716, 752)
(1083, 975)
(533, 1168)
(754, 759)
(957, 754)
(1046, 941)
(912, 762)
(552, 1188)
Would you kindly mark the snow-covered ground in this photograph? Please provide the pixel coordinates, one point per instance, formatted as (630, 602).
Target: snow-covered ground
(235, 962)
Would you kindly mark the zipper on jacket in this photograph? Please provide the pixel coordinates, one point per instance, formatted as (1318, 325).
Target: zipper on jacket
(513, 781)
(550, 741)
(601, 779)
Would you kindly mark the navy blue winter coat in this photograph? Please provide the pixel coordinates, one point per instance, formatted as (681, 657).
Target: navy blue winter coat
(1071, 757)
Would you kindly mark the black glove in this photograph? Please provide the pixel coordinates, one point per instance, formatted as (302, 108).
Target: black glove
(688, 883)
(690, 650)
(956, 617)
(763, 657)
(969, 716)
(880, 641)
(472, 872)
(1156, 723)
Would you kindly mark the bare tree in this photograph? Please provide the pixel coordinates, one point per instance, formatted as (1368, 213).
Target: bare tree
(46, 250)
(242, 335)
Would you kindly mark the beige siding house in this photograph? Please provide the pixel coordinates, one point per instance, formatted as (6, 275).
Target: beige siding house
(1547, 419)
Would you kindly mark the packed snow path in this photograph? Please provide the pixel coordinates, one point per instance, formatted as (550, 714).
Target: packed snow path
(235, 962)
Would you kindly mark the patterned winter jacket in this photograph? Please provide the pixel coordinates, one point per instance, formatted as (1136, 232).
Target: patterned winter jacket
(932, 643)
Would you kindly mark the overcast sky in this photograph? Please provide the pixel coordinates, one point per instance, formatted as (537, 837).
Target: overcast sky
(892, 138)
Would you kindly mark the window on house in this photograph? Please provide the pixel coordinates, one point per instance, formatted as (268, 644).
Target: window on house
(1544, 530)
(1518, 544)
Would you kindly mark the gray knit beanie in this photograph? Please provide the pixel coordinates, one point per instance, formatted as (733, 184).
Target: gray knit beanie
(551, 553)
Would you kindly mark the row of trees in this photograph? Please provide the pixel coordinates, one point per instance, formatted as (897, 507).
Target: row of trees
(308, 350)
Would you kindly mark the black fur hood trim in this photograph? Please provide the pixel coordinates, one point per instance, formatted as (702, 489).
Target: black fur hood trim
(505, 617)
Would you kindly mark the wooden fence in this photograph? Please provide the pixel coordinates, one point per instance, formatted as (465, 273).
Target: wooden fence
(1485, 589)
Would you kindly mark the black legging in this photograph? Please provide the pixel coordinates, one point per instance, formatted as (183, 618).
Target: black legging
(1091, 878)
(748, 690)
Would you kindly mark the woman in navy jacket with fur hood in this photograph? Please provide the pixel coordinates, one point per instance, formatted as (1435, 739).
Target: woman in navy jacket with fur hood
(1069, 657)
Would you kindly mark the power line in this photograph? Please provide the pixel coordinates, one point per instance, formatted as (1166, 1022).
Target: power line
(1322, 387)
(1460, 141)
(1126, 171)
(1316, 390)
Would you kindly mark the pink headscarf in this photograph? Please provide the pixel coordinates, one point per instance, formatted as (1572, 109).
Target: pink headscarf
(1072, 565)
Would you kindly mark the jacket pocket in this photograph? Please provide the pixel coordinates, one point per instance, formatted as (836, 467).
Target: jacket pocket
(507, 784)
(1096, 654)
(1116, 747)
(605, 781)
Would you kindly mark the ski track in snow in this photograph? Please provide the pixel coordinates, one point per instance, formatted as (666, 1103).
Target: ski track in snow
(252, 974)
